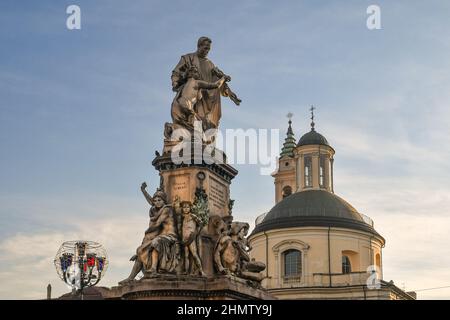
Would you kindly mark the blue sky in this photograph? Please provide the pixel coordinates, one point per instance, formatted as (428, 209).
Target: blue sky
(81, 113)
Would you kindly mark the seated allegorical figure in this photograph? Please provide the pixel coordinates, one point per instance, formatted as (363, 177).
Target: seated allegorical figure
(231, 254)
(159, 250)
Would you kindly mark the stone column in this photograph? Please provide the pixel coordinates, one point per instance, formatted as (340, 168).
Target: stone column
(300, 173)
(331, 175)
(315, 170)
(327, 173)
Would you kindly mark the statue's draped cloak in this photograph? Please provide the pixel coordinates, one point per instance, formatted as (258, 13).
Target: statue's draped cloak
(165, 244)
(167, 249)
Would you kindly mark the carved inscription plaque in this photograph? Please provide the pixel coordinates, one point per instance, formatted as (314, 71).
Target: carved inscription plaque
(218, 195)
(179, 186)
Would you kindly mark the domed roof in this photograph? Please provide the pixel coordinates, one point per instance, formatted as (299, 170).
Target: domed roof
(313, 208)
(312, 137)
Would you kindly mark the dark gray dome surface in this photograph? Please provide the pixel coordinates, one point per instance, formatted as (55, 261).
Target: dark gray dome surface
(313, 208)
(312, 137)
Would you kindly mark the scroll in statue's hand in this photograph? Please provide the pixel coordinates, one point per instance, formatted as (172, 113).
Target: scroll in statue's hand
(234, 98)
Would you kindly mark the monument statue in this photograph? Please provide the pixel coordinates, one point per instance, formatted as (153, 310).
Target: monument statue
(191, 234)
(191, 248)
(199, 85)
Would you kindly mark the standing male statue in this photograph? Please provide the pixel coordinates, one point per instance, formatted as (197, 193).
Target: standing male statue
(207, 107)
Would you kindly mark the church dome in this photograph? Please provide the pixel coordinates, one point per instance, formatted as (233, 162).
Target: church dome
(313, 208)
(312, 137)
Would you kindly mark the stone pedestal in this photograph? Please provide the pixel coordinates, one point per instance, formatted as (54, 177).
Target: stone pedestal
(207, 244)
(178, 287)
(182, 180)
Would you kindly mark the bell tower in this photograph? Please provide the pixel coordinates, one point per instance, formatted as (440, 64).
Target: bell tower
(314, 161)
(285, 177)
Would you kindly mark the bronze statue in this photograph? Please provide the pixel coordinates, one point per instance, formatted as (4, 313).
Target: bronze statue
(208, 107)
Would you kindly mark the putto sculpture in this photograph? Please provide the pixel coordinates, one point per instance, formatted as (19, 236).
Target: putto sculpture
(191, 225)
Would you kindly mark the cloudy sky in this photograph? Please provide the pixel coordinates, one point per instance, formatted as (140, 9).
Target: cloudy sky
(82, 112)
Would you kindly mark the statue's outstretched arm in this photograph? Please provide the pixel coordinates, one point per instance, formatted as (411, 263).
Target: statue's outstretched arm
(146, 195)
(220, 74)
(210, 85)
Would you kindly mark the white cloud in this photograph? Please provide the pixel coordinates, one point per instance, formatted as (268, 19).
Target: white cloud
(27, 259)
(417, 254)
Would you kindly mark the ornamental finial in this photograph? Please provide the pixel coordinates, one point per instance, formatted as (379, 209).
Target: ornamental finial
(289, 115)
(312, 117)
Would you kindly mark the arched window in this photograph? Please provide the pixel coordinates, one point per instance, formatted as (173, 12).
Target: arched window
(292, 263)
(287, 191)
(308, 172)
(346, 265)
(322, 172)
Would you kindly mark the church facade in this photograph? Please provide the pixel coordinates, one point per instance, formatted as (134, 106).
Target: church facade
(314, 243)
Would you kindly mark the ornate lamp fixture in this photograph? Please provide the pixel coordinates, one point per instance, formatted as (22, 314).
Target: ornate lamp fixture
(81, 264)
